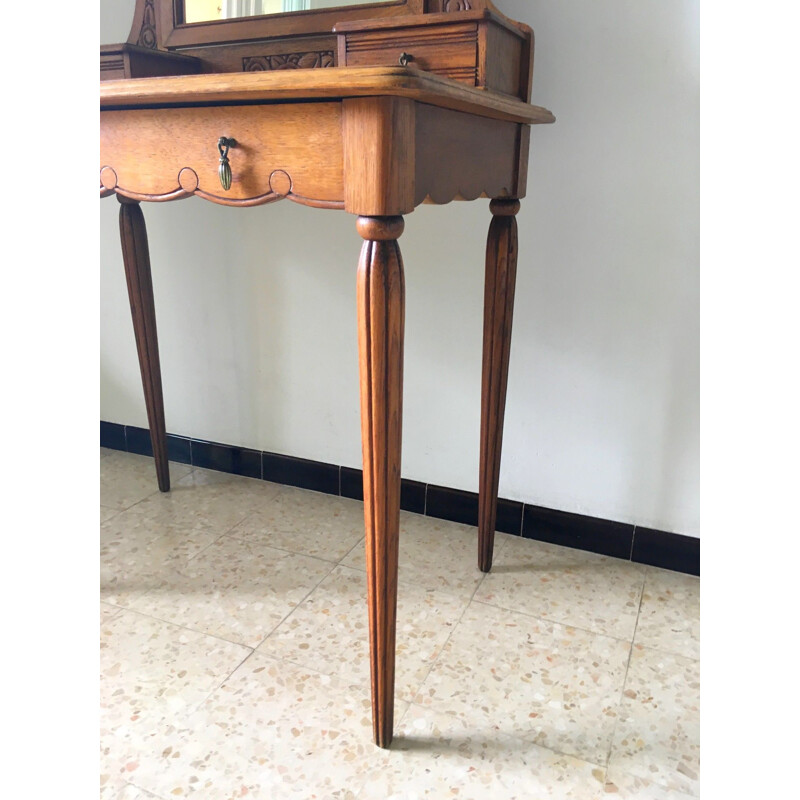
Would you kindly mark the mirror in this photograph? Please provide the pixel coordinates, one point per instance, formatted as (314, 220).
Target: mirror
(211, 10)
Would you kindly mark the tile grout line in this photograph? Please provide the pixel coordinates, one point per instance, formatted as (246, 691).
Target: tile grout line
(447, 641)
(178, 625)
(300, 602)
(552, 621)
(624, 680)
(425, 510)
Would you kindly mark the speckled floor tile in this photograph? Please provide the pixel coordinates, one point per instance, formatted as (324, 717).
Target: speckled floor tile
(137, 553)
(434, 554)
(305, 522)
(211, 498)
(669, 619)
(233, 589)
(107, 513)
(131, 792)
(437, 756)
(126, 478)
(329, 631)
(550, 684)
(152, 673)
(585, 590)
(106, 612)
(658, 733)
(509, 705)
(272, 731)
(630, 787)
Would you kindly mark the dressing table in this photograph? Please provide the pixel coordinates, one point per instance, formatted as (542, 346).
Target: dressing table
(371, 108)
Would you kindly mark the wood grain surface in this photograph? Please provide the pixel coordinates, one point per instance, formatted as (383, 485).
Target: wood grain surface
(136, 258)
(381, 315)
(498, 311)
(319, 84)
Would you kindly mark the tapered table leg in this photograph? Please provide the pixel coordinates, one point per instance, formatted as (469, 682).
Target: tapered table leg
(136, 256)
(381, 312)
(501, 275)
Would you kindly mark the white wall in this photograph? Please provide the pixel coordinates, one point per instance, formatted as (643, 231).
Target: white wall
(256, 307)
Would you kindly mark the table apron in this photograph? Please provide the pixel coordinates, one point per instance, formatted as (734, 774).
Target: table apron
(282, 150)
(374, 156)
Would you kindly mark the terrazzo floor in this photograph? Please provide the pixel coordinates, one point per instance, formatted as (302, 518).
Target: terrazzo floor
(234, 655)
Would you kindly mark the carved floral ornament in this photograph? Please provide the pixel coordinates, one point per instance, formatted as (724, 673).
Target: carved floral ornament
(310, 60)
(147, 35)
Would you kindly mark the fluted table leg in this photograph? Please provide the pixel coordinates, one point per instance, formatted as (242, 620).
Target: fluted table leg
(136, 257)
(501, 275)
(381, 311)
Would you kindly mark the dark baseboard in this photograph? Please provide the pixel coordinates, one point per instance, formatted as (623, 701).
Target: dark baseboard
(621, 540)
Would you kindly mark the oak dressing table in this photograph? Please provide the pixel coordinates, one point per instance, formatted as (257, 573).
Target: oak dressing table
(368, 108)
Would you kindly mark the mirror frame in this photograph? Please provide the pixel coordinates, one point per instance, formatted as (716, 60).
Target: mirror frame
(171, 33)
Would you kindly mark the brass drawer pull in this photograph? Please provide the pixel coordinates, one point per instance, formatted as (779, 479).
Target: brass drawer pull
(405, 58)
(225, 174)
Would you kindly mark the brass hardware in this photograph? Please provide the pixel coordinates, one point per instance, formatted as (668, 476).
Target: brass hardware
(405, 58)
(225, 174)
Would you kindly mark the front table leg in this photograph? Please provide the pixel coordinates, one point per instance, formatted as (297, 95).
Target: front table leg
(381, 312)
(498, 307)
(136, 256)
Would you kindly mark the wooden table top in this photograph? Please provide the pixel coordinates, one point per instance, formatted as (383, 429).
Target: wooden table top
(317, 84)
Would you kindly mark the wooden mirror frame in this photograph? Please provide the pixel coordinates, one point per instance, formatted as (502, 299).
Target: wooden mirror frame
(158, 24)
(161, 44)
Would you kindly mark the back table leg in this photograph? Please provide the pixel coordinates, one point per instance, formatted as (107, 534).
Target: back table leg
(136, 257)
(498, 308)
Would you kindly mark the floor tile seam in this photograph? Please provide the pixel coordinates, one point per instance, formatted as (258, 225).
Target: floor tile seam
(209, 545)
(514, 737)
(621, 702)
(116, 608)
(662, 651)
(556, 622)
(197, 706)
(661, 784)
(420, 585)
(185, 627)
(248, 540)
(142, 789)
(366, 692)
(435, 660)
(300, 602)
(193, 529)
(228, 537)
(404, 582)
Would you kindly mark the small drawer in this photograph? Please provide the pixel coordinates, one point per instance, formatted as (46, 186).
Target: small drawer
(477, 48)
(451, 54)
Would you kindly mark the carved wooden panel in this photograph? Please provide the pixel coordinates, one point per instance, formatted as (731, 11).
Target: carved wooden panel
(311, 60)
(292, 152)
(147, 32)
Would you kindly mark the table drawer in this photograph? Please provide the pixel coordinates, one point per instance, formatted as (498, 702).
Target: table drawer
(281, 151)
(475, 48)
(453, 54)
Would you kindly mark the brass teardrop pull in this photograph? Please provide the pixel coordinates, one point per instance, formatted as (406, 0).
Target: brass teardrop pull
(225, 174)
(405, 58)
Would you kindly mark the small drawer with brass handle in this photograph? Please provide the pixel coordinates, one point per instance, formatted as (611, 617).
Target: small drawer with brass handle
(479, 48)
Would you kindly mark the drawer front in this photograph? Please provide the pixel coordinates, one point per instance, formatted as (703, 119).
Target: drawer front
(450, 52)
(292, 150)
